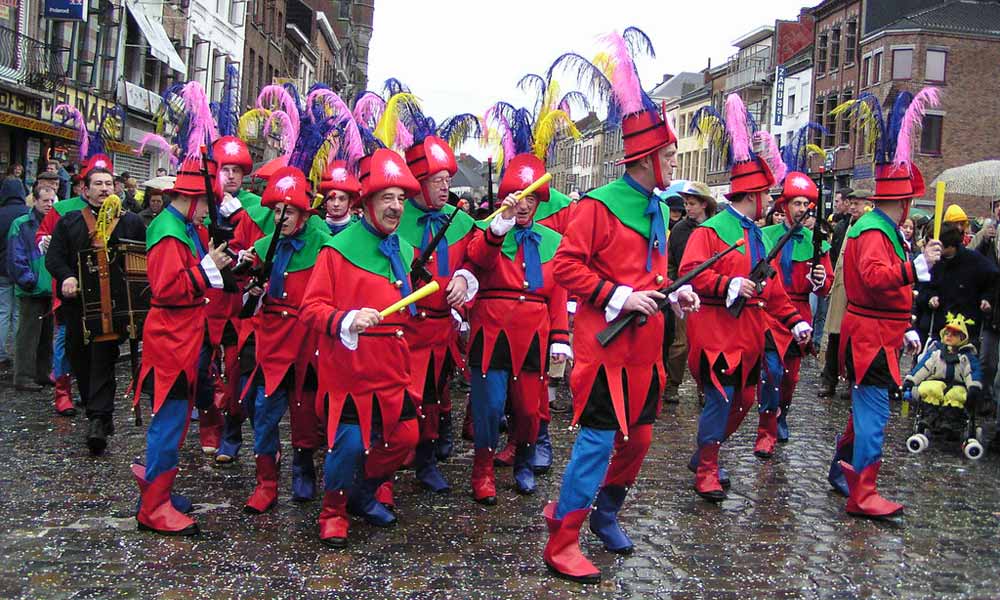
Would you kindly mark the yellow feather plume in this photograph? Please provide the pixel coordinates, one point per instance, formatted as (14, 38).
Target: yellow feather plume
(251, 123)
(814, 149)
(105, 223)
(317, 201)
(864, 120)
(322, 158)
(604, 62)
(385, 131)
(553, 124)
(460, 133)
(711, 131)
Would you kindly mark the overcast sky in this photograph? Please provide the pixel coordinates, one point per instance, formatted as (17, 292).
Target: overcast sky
(463, 55)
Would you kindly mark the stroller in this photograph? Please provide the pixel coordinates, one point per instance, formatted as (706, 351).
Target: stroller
(946, 383)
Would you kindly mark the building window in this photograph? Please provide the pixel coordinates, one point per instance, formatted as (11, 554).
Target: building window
(791, 104)
(930, 134)
(850, 42)
(821, 54)
(830, 140)
(835, 48)
(902, 63)
(845, 127)
(936, 61)
(876, 68)
(866, 66)
(819, 117)
(345, 9)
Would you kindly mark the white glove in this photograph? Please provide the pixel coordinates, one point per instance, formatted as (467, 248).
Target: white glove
(229, 206)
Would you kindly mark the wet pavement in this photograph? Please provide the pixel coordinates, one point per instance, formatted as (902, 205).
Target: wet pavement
(68, 530)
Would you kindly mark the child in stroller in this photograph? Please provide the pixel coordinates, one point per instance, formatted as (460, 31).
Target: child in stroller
(949, 386)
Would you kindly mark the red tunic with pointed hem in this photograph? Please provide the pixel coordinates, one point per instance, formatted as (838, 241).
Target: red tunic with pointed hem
(598, 254)
(712, 331)
(879, 287)
(504, 305)
(175, 326)
(380, 366)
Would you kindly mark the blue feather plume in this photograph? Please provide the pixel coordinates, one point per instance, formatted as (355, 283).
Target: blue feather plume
(227, 113)
(471, 123)
(394, 86)
(311, 138)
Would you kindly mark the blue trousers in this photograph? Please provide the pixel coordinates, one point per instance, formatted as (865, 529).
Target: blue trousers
(268, 411)
(769, 396)
(344, 459)
(588, 463)
(870, 411)
(60, 362)
(488, 397)
(715, 415)
(165, 434)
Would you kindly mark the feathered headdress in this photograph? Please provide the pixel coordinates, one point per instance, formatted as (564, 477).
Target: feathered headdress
(889, 139)
(391, 130)
(795, 153)
(316, 145)
(322, 104)
(729, 133)
(201, 128)
(92, 143)
(516, 132)
(227, 111)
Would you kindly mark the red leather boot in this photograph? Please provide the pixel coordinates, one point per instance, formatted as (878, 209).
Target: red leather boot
(384, 494)
(156, 512)
(333, 520)
(562, 552)
(865, 500)
(265, 495)
(767, 435)
(484, 489)
(209, 429)
(64, 396)
(706, 476)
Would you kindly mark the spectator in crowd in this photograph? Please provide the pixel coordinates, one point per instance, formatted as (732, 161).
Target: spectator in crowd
(909, 231)
(78, 186)
(154, 204)
(985, 243)
(15, 175)
(54, 167)
(161, 172)
(12, 206)
(841, 218)
(33, 288)
(962, 282)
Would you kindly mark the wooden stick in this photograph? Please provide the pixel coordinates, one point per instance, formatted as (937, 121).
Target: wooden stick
(525, 192)
(413, 298)
(938, 209)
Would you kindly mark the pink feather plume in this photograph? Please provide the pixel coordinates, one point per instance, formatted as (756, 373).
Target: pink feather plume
(288, 132)
(83, 138)
(276, 97)
(625, 81)
(774, 160)
(202, 128)
(912, 120)
(328, 98)
(368, 109)
(738, 128)
(352, 146)
(159, 142)
(404, 138)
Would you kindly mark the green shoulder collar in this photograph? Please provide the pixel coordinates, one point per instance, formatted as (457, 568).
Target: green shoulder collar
(872, 220)
(315, 234)
(546, 248)
(360, 247)
(628, 205)
(166, 224)
(727, 227)
(557, 202)
(69, 205)
(412, 231)
(261, 215)
(803, 249)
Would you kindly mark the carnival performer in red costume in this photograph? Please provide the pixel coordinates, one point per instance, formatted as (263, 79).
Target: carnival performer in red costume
(878, 279)
(727, 367)
(340, 189)
(614, 258)
(364, 361)
(182, 266)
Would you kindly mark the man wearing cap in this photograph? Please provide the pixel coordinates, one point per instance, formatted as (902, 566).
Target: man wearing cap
(433, 346)
(727, 367)
(613, 257)
(93, 362)
(800, 277)
(340, 189)
(517, 323)
(285, 374)
(878, 280)
(182, 265)
(365, 389)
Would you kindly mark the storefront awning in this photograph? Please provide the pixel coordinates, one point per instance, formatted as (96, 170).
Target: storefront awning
(156, 35)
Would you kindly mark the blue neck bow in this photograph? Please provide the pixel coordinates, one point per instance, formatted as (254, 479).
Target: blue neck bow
(337, 228)
(786, 255)
(657, 228)
(433, 221)
(389, 247)
(529, 240)
(754, 235)
(191, 230)
(287, 246)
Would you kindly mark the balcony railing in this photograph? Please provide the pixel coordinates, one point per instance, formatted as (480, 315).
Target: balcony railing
(749, 67)
(29, 62)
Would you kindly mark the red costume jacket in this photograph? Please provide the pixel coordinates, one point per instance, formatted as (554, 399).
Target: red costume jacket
(557, 213)
(879, 284)
(605, 247)
(350, 274)
(712, 331)
(504, 305)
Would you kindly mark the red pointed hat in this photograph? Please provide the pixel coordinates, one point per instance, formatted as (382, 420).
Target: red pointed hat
(385, 169)
(231, 150)
(897, 182)
(643, 133)
(522, 171)
(430, 156)
(97, 161)
(339, 177)
(190, 181)
(798, 184)
(288, 185)
(750, 176)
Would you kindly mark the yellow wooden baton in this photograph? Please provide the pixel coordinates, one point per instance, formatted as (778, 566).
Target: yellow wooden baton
(525, 192)
(416, 296)
(938, 209)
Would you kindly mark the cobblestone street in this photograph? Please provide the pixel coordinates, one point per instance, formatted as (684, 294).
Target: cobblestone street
(68, 529)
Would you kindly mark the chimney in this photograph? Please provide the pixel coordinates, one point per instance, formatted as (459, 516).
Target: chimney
(667, 77)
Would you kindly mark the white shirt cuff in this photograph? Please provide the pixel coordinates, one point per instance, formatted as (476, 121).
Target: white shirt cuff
(348, 337)
(571, 307)
(616, 303)
(500, 225)
(911, 337)
(470, 279)
(733, 291)
(214, 275)
(43, 244)
(920, 266)
(558, 348)
(229, 206)
(801, 329)
(675, 306)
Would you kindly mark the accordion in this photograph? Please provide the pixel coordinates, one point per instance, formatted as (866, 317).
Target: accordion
(114, 291)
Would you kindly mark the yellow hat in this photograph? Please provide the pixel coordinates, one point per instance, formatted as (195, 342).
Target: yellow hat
(955, 214)
(957, 323)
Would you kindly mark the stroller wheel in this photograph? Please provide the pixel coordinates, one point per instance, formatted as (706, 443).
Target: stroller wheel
(972, 449)
(917, 443)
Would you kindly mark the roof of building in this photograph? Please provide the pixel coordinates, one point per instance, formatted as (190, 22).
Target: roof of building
(678, 85)
(980, 17)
